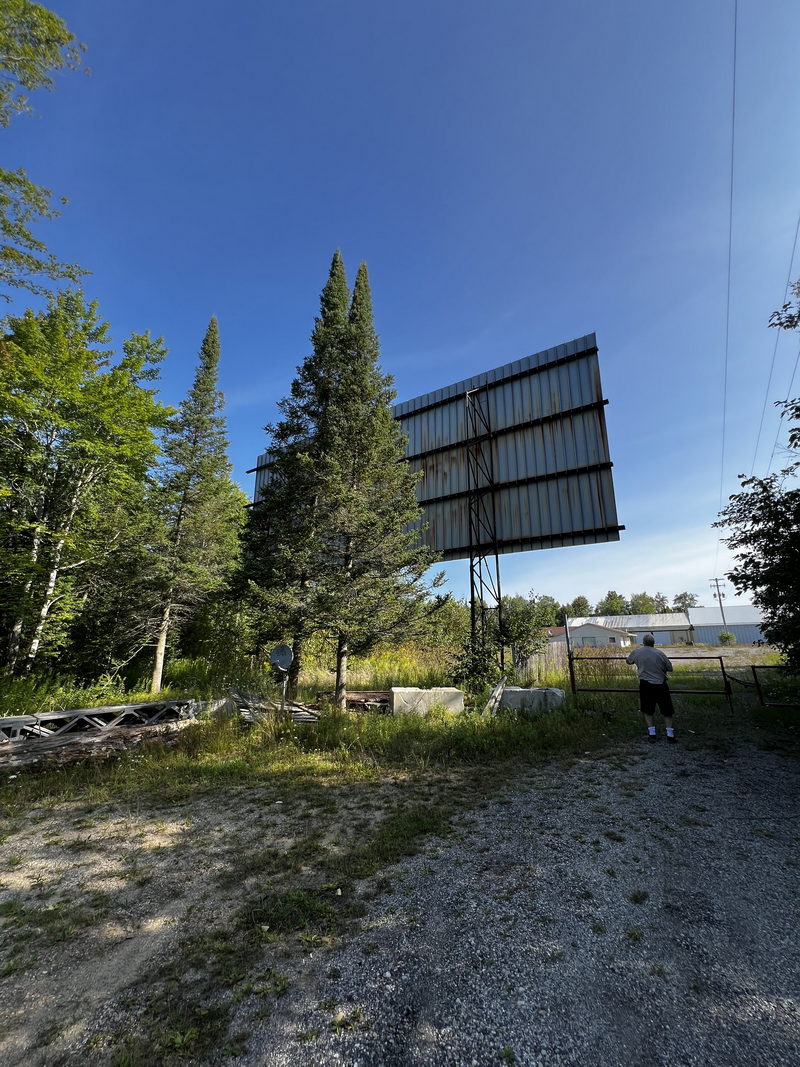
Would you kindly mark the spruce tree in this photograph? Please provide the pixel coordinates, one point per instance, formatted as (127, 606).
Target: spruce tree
(333, 546)
(281, 546)
(203, 509)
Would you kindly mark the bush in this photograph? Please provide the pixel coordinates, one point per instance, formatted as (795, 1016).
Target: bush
(727, 638)
(476, 670)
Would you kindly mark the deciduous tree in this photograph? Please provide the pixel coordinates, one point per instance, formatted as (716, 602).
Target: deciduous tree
(684, 601)
(525, 622)
(77, 437)
(764, 520)
(613, 603)
(578, 608)
(34, 43)
(642, 604)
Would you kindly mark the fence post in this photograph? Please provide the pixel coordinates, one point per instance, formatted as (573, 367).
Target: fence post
(728, 687)
(569, 658)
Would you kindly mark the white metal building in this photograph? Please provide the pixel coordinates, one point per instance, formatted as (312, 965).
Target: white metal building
(670, 628)
(744, 621)
(591, 634)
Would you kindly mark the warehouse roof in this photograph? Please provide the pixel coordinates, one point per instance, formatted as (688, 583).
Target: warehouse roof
(735, 615)
(673, 620)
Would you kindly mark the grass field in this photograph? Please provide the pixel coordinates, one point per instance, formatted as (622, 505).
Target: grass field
(178, 883)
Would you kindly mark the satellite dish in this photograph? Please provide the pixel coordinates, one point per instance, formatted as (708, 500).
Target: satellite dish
(281, 657)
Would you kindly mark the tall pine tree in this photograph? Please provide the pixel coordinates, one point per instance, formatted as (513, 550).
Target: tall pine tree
(331, 540)
(281, 547)
(202, 507)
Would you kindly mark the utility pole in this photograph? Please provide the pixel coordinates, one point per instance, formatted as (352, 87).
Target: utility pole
(720, 596)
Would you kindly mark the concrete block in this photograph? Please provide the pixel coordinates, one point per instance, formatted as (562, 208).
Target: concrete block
(531, 702)
(404, 700)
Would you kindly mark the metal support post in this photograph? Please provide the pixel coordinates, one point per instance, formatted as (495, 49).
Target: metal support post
(484, 575)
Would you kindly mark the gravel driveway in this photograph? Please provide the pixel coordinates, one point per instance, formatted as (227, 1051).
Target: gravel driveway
(637, 909)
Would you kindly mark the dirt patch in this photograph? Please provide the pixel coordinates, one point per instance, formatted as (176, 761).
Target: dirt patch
(95, 900)
(241, 902)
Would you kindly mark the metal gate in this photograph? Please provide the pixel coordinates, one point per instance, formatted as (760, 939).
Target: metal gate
(726, 690)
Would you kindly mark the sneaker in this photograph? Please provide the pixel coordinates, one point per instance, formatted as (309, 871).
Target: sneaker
(652, 738)
(671, 740)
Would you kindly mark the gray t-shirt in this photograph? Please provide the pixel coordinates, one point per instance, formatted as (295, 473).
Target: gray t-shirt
(651, 664)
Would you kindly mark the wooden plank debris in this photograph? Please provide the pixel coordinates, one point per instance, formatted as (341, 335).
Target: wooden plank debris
(255, 708)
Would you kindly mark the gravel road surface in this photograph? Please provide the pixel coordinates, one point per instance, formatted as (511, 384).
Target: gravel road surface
(638, 909)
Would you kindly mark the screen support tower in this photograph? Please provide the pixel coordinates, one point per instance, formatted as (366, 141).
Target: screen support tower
(484, 561)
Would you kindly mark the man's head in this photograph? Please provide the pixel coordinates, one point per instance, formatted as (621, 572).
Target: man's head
(648, 639)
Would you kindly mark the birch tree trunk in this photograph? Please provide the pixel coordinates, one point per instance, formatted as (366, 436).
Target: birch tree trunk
(48, 600)
(161, 646)
(47, 603)
(15, 638)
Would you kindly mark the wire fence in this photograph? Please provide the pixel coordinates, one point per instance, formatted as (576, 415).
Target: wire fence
(591, 672)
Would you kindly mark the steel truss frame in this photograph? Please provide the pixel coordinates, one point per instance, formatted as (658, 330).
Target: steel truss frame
(484, 566)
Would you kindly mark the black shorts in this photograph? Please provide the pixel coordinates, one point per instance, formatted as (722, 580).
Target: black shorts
(651, 695)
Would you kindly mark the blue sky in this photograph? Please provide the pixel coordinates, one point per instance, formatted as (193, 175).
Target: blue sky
(515, 175)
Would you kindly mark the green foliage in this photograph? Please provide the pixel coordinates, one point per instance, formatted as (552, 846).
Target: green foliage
(330, 548)
(114, 619)
(524, 625)
(77, 438)
(201, 508)
(477, 668)
(764, 520)
(24, 257)
(613, 603)
(34, 42)
(788, 318)
(33, 696)
(207, 678)
(642, 604)
(578, 608)
(727, 638)
(684, 601)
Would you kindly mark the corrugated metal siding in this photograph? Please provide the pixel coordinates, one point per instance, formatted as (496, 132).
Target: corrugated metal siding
(262, 476)
(745, 635)
(547, 418)
(549, 453)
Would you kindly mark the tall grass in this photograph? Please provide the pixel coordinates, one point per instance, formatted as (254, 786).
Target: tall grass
(182, 678)
(402, 666)
(343, 746)
(34, 696)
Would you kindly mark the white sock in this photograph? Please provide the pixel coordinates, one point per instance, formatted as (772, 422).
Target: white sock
(652, 731)
(670, 732)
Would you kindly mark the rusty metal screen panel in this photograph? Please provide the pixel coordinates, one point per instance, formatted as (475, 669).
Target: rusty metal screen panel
(552, 484)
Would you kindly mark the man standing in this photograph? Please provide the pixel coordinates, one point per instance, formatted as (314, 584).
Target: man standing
(652, 667)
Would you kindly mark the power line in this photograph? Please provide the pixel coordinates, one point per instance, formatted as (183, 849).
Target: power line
(774, 353)
(730, 256)
(787, 399)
